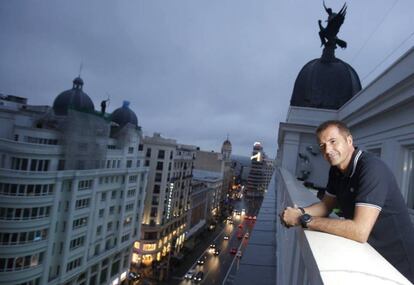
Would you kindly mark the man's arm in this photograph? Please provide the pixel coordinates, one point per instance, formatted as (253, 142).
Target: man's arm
(290, 215)
(357, 229)
(323, 208)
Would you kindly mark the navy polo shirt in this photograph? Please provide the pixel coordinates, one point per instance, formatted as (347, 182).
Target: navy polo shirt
(369, 182)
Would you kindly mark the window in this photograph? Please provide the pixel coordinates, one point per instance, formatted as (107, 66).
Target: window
(129, 207)
(101, 213)
(113, 194)
(129, 163)
(131, 192)
(80, 223)
(138, 163)
(26, 190)
(161, 154)
(133, 179)
(148, 154)
(158, 177)
(111, 210)
(77, 242)
(98, 230)
(125, 238)
(19, 163)
(156, 189)
(103, 196)
(74, 264)
(147, 163)
(140, 147)
(85, 184)
(130, 150)
(22, 237)
(159, 165)
(82, 203)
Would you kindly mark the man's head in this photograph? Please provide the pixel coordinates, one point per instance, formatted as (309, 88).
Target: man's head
(336, 144)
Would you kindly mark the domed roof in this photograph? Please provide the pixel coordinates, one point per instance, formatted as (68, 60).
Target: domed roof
(73, 98)
(124, 115)
(227, 142)
(325, 83)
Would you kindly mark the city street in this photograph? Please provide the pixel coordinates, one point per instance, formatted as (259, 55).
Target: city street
(218, 267)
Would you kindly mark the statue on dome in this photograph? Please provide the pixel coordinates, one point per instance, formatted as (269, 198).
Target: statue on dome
(103, 106)
(328, 34)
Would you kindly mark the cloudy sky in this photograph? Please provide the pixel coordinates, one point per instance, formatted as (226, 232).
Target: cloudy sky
(193, 70)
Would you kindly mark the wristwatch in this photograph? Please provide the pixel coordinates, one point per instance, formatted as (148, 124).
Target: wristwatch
(304, 220)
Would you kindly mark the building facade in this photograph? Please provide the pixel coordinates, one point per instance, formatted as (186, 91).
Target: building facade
(260, 172)
(72, 191)
(167, 201)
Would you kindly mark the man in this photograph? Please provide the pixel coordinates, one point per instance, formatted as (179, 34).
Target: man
(365, 190)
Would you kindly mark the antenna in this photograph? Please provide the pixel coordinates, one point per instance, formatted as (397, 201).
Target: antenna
(80, 68)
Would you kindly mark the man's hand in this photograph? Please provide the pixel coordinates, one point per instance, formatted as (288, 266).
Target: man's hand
(290, 217)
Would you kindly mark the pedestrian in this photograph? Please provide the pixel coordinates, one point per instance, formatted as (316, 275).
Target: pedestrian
(365, 190)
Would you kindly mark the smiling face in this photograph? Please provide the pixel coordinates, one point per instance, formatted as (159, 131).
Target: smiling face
(336, 146)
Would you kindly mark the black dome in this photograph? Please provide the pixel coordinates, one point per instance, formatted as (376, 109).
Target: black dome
(73, 98)
(325, 83)
(124, 115)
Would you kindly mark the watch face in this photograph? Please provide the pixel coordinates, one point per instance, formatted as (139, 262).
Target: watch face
(306, 218)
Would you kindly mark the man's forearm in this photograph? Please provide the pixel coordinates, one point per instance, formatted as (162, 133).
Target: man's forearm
(344, 228)
(317, 210)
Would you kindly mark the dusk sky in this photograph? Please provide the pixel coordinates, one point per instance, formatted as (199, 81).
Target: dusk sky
(193, 71)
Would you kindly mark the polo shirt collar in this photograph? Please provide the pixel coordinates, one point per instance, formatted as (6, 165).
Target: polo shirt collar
(353, 163)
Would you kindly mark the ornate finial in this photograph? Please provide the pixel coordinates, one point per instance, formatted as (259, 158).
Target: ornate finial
(328, 34)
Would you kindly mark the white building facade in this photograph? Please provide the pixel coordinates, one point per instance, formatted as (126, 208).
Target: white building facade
(72, 192)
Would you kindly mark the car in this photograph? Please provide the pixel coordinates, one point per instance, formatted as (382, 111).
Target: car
(134, 276)
(240, 235)
(246, 236)
(199, 276)
(226, 237)
(190, 274)
(254, 217)
(212, 246)
(239, 254)
(233, 250)
(202, 260)
(216, 251)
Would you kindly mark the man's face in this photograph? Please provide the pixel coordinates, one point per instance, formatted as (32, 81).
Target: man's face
(336, 147)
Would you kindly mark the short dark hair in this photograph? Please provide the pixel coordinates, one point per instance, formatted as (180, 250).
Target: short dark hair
(342, 127)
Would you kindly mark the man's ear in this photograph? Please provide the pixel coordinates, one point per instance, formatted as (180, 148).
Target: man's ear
(350, 140)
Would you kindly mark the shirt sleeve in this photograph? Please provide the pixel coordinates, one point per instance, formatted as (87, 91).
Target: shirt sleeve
(373, 183)
(330, 189)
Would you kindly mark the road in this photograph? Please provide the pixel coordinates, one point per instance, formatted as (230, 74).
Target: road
(217, 268)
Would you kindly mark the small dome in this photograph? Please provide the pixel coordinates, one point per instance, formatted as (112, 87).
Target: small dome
(325, 83)
(227, 142)
(73, 98)
(124, 115)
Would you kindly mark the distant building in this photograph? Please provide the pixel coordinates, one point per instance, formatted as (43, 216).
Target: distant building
(209, 168)
(241, 166)
(168, 198)
(228, 173)
(71, 188)
(260, 172)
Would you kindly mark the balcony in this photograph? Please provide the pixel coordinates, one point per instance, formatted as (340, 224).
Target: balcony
(277, 255)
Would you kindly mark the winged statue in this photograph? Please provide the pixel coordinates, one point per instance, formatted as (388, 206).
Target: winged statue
(328, 34)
